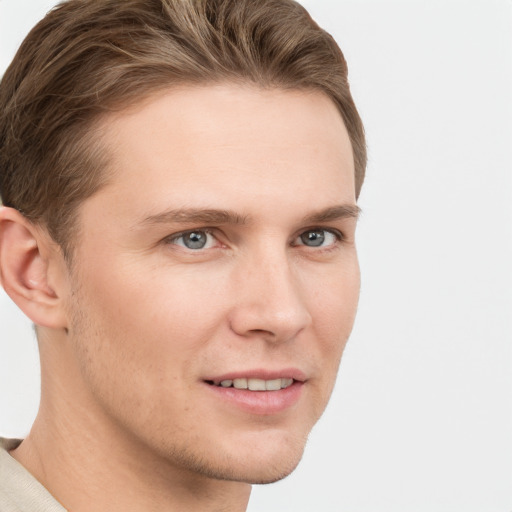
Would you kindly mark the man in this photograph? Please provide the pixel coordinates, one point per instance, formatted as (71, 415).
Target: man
(179, 181)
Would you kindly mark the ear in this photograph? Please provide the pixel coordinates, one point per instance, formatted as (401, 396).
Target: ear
(30, 264)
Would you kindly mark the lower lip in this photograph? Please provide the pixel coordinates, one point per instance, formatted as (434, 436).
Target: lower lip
(260, 402)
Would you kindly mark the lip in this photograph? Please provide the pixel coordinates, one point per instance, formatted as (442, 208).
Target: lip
(262, 403)
(285, 373)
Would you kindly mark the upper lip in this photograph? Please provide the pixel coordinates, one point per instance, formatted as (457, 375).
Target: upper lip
(285, 373)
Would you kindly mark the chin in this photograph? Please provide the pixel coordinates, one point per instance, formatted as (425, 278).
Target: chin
(260, 463)
(261, 460)
(261, 472)
(272, 474)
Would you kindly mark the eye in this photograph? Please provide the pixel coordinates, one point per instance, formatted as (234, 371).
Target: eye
(318, 238)
(194, 240)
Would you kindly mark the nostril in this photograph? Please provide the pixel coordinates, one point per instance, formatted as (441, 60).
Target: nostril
(262, 331)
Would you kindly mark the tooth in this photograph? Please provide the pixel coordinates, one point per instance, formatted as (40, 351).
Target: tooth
(256, 384)
(273, 385)
(285, 383)
(226, 383)
(240, 383)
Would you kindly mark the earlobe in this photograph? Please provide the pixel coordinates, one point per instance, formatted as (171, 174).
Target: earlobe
(25, 259)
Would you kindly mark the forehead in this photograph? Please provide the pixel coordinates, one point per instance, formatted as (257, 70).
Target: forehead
(227, 142)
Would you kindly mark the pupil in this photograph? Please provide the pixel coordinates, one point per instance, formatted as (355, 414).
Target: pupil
(313, 238)
(195, 240)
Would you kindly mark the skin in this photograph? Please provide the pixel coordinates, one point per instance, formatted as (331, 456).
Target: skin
(132, 330)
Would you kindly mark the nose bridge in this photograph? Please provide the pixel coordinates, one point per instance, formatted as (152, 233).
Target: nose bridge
(271, 301)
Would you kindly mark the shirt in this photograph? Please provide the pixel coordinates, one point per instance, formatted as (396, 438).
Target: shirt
(19, 490)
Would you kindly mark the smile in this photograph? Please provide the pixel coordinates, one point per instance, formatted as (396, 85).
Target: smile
(253, 384)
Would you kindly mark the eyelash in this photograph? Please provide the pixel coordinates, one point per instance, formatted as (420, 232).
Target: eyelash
(338, 235)
(173, 238)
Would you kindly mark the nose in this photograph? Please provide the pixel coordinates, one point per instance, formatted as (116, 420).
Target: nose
(270, 303)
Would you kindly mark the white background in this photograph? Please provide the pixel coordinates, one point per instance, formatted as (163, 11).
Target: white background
(421, 419)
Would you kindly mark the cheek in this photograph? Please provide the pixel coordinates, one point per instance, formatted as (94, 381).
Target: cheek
(156, 317)
(334, 309)
(335, 299)
(135, 340)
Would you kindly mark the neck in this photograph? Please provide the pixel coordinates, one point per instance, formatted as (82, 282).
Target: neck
(88, 463)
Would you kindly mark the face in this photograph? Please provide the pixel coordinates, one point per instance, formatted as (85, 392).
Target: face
(216, 277)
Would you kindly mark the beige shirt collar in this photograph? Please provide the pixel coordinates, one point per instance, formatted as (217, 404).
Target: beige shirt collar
(19, 490)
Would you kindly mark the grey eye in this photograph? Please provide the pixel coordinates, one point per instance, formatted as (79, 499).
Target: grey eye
(195, 239)
(314, 238)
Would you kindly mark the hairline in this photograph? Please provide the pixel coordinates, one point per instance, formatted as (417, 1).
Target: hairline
(94, 133)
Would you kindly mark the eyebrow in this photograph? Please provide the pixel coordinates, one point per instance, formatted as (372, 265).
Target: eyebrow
(332, 213)
(195, 215)
(216, 217)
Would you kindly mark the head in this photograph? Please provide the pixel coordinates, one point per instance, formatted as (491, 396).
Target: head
(181, 180)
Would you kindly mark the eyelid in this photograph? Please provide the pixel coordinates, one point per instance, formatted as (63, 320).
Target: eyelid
(339, 235)
(336, 232)
(171, 239)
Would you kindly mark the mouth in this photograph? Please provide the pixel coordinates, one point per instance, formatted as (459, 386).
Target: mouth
(259, 392)
(253, 384)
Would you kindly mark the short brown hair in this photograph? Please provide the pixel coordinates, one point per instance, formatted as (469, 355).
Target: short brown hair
(90, 57)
